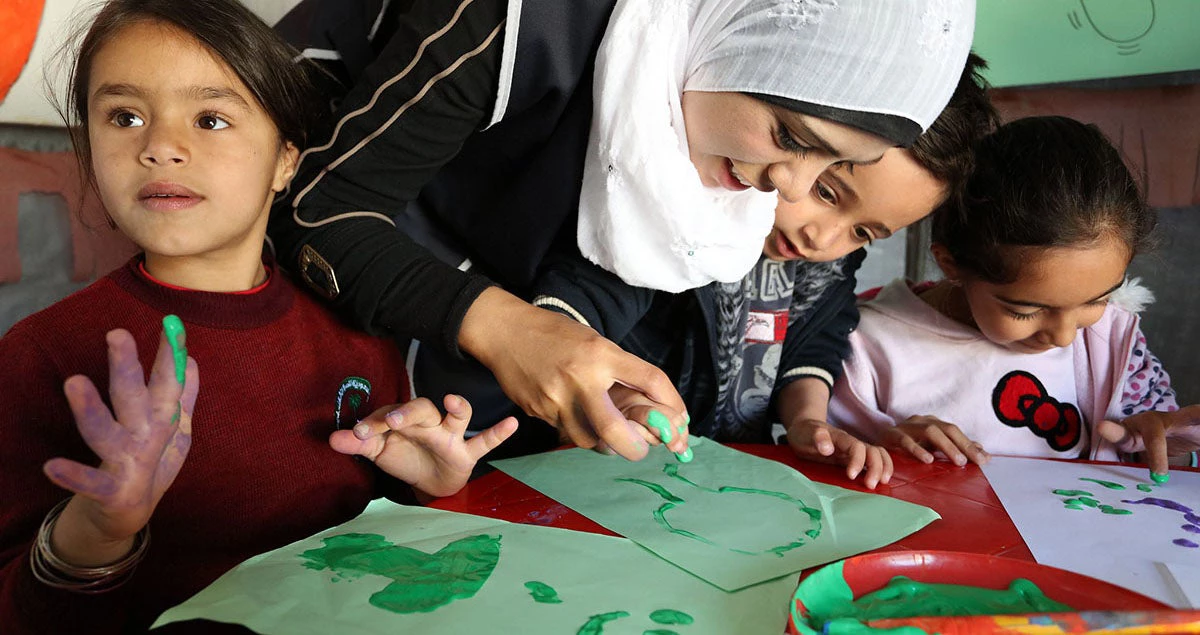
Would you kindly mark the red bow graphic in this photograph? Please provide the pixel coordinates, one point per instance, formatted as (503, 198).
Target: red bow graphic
(1020, 401)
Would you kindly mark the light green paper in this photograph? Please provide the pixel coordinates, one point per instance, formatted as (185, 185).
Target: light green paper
(1045, 41)
(729, 538)
(593, 574)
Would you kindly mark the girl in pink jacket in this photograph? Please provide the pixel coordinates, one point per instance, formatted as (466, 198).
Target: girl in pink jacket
(1024, 345)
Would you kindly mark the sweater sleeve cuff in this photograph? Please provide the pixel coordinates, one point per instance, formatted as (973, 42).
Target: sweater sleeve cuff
(801, 372)
(458, 310)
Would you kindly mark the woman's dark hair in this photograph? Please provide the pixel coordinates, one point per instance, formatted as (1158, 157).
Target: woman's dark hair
(259, 57)
(1041, 182)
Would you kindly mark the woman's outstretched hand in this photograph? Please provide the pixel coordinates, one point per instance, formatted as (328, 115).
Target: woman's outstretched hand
(142, 443)
(561, 371)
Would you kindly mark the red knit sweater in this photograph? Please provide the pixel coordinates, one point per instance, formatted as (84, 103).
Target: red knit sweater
(260, 473)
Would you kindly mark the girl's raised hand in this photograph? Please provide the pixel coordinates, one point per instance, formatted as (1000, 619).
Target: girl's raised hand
(1159, 434)
(415, 444)
(818, 441)
(142, 442)
(920, 434)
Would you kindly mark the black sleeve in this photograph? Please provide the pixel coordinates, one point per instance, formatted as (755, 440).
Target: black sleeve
(817, 347)
(598, 298)
(432, 86)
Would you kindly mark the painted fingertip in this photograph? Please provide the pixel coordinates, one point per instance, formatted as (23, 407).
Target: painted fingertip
(659, 422)
(687, 419)
(362, 431)
(685, 456)
(1160, 478)
(173, 328)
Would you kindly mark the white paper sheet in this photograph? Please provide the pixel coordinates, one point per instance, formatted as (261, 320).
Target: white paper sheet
(1097, 539)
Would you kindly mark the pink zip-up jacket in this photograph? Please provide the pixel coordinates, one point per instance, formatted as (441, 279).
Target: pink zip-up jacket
(907, 359)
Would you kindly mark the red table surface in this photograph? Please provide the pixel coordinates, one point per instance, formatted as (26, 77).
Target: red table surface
(973, 520)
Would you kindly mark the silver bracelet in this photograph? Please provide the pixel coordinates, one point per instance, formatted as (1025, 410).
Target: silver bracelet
(52, 571)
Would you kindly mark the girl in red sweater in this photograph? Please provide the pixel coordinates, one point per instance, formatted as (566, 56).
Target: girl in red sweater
(188, 116)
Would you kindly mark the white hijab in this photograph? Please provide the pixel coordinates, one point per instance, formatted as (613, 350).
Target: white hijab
(643, 213)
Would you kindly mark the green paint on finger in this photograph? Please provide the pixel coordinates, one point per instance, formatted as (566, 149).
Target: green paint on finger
(685, 456)
(543, 593)
(1159, 478)
(670, 616)
(1108, 484)
(173, 327)
(659, 421)
(595, 623)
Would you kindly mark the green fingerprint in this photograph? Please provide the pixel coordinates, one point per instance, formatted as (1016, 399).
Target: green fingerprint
(595, 623)
(670, 616)
(1109, 509)
(1108, 484)
(542, 592)
(1072, 492)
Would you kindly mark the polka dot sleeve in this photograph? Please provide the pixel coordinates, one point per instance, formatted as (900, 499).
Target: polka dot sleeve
(1147, 387)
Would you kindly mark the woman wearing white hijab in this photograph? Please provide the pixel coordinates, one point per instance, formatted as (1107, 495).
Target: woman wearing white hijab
(682, 119)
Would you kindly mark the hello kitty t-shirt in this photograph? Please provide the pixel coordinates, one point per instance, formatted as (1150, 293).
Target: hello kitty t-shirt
(907, 359)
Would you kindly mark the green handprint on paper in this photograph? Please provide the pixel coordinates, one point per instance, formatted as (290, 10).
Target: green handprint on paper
(676, 516)
(423, 581)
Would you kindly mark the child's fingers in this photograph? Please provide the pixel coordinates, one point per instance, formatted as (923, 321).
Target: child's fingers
(419, 412)
(82, 479)
(168, 376)
(126, 383)
(889, 467)
(1155, 438)
(96, 425)
(347, 442)
(853, 451)
(486, 441)
(822, 439)
(899, 439)
(1120, 436)
(458, 413)
(938, 438)
(873, 471)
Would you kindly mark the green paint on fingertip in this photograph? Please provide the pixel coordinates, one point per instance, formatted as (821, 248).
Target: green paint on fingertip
(659, 421)
(685, 456)
(1159, 478)
(173, 327)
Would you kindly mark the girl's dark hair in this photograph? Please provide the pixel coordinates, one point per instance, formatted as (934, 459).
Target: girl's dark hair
(259, 57)
(1041, 182)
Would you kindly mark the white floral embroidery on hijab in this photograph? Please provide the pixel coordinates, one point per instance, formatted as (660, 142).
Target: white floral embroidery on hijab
(801, 13)
(937, 25)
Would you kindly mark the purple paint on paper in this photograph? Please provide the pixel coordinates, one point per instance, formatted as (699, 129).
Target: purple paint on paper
(1188, 515)
(1162, 502)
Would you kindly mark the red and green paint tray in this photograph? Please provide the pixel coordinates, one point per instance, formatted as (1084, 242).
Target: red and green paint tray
(852, 578)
